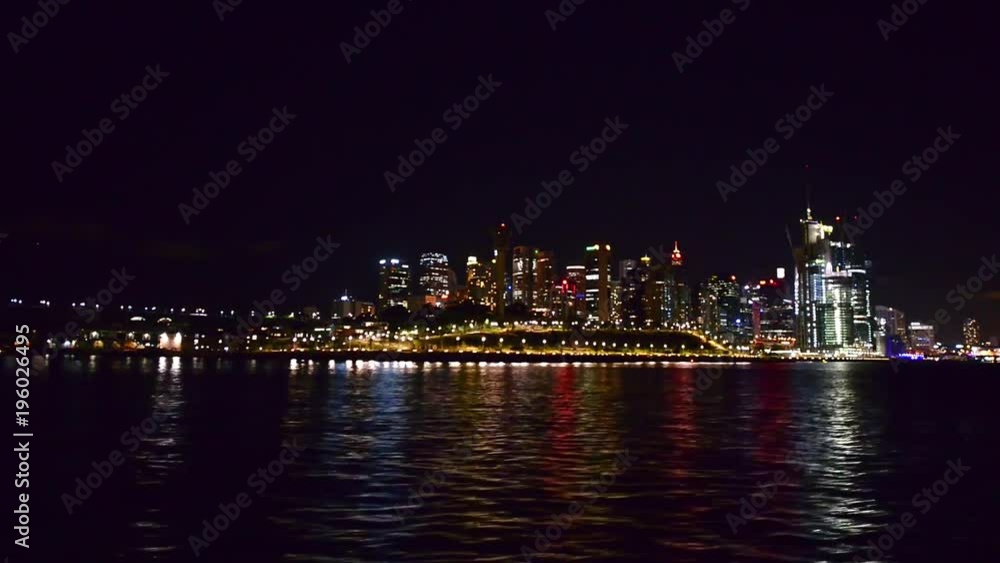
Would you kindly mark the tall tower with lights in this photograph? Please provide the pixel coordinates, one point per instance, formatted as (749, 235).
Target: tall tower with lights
(599, 283)
(676, 293)
(393, 283)
(501, 257)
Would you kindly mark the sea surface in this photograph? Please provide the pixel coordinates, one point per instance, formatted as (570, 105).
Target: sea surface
(469, 462)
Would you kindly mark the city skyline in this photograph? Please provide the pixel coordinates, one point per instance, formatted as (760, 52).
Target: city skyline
(656, 182)
(823, 303)
(487, 281)
(435, 280)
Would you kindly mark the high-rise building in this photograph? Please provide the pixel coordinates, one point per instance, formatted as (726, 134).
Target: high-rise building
(722, 311)
(848, 258)
(434, 275)
(677, 311)
(523, 276)
(812, 260)
(545, 282)
(835, 313)
(890, 326)
(891, 322)
(773, 314)
(651, 280)
(629, 289)
(676, 258)
(501, 256)
(477, 281)
(641, 293)
(599, 283)
(617, 303)
(393, 283)
(832, 292)
(923, 338)
(971, 333)
(576, 284)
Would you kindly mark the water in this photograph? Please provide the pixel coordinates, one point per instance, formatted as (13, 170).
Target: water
(500, 450)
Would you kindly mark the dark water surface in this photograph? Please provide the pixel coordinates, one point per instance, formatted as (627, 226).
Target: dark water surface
(500, 450)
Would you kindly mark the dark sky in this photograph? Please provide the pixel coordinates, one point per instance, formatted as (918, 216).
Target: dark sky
(323, 175)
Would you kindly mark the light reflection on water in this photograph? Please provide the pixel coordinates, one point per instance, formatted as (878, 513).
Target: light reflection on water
(536, 435)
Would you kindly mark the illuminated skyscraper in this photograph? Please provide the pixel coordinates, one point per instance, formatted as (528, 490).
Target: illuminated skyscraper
(812, 264)
(599, 283)
(849, 259)
(617, 303)
(973, 336)
(501, 256)
(523, 276)
(835, 319)
(824, 290)
(891, 321)
(642, 288)
(891, 325)
(651, 280)
(676, 258)
(722, 312)
(576, 278)
(630, 293)
(434, 275)
(773, 314)
(394, 283)
(544, 282)
(923, 338)
(477, 280)
(677, 311)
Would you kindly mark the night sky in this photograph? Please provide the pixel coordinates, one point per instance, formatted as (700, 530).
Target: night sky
(323, 175)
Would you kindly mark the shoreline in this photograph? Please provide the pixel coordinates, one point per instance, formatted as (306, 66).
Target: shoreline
(457, 357)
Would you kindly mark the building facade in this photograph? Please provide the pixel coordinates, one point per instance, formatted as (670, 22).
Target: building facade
(833, 303)
(501, 255)
(773, 315)
(394, 283)
(972, 334)
(544, 282)
(478, 281)
(434, 275)
(599, 283)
